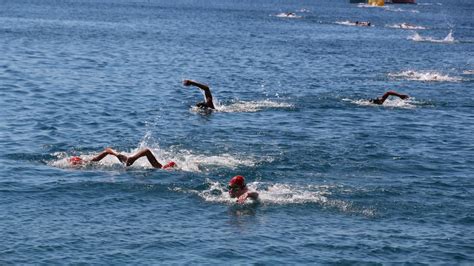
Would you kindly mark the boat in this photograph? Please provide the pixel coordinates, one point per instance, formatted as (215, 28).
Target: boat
(376, 2)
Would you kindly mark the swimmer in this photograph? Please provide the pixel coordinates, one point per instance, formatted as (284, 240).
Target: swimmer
(385, 96)
(363, 23)
(208, 103)
(238, 189)
(127, 160)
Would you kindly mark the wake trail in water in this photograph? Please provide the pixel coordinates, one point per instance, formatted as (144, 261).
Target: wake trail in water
(248, 106)
(428, 76)
(406, 26)
(287, 15)
(410, 103)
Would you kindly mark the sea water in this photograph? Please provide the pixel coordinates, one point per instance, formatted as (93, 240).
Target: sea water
(340, 180)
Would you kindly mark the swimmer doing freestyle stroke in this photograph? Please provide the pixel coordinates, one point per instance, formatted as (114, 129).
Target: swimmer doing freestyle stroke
(208, 103)
(127, 160)
(382, 99)
(238, 189)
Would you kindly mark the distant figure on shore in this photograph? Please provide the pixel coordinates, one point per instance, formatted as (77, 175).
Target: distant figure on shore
(363, 23)
(208, 103)
(238, 189)
(127, 160)
(382, 99)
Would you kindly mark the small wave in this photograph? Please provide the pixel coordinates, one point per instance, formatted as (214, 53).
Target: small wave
(283, 194)
(391, 103)
(251, 106)
(424, 76)
(287, 15)
(429, 4)
(304, 10)
(406, 26)
(392, 9)
(418, 38)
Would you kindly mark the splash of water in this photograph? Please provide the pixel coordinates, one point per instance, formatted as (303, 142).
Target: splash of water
(390, 103)
(248, 106)
(418, 38)
(282, 194)
(346, 22)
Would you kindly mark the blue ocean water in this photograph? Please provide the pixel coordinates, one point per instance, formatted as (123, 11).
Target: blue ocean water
(340, 180)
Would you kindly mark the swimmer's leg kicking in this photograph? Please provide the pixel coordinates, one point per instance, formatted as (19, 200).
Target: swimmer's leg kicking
(208, 103)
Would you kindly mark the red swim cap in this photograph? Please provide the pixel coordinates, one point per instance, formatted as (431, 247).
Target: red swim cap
(237, 180)
(169, 165)
(75, 160)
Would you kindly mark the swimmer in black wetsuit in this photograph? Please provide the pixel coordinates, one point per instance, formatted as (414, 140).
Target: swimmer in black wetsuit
(208, 103)
(363, 23)
(385, 96)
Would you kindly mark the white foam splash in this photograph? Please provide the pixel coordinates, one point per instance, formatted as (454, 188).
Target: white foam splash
(287, 15)
(406, 26)
(268, 194)
(424, 76)
(418, 38)
(184, 159)
(346, 22)
(468, 72)
(251, 106)
(188, 161)
(282, 194)
(390, 103)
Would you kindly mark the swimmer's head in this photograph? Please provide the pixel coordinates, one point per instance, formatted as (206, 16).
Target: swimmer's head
(75, 160)
(236, 184)
(201, 105)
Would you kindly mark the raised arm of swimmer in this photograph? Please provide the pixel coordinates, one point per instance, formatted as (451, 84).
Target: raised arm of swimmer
(207, 93)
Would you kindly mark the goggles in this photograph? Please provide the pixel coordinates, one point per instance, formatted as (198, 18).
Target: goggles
(233, 188)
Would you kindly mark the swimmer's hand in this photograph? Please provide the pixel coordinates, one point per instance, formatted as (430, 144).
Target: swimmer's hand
(404, 97)
(243, 197)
